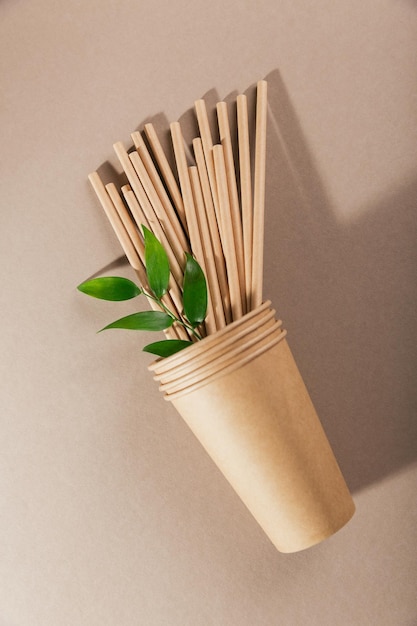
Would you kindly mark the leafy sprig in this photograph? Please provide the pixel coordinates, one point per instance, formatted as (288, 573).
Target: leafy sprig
(116, 288)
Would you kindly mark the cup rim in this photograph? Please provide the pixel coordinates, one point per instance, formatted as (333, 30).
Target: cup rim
(245, 358)
(218, 363)
(216, 350)
(162, 365)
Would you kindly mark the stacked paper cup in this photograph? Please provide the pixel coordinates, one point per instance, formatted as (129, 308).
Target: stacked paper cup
(242, 395)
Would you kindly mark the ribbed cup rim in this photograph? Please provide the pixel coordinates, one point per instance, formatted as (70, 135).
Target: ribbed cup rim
(163, 365)
(194, 375)
(245, 357)
(216, 350)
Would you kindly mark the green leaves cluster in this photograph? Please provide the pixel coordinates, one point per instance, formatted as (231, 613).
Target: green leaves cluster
(116, 288)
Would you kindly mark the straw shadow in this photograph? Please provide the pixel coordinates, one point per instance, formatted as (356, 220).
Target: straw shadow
(118, 263)
(189, 123)
(109, 174)
(161, 124)
(347, 294)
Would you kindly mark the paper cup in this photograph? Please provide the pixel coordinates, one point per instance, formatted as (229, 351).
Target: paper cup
(252, 413)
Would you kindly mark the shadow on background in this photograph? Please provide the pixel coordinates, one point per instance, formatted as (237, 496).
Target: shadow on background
(346, 292)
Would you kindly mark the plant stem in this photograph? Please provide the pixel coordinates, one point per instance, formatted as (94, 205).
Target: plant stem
(172, 315)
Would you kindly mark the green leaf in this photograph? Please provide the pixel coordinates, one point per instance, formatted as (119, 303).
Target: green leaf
(157, 264)
(194, 292)
(112, 288)
(167, 347)
(144, 320)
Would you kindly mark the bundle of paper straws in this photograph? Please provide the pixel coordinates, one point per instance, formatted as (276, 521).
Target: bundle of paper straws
(213, 209)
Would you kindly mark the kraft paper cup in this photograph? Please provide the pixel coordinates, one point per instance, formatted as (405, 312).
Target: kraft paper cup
(256, 420)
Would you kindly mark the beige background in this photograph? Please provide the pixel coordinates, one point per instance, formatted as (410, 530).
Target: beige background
(111, 514)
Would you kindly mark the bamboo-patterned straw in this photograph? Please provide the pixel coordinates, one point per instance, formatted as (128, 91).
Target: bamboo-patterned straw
(245, 191)
(259, 193)
(166, 172)
(226, 141)
(228, 241)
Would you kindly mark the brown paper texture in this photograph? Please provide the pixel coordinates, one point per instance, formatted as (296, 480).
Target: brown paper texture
(259, 426)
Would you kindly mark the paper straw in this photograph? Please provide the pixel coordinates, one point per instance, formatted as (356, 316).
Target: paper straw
(147, 209)
(137, 212)
(124, 239)
(226, 141)
(259, 193)
(175, 244)
(175, 331)
(187, 194)
(129, 225)
(200, 254)
(209, 260)
(185, 184)
(166, 172)
(140, 218)
(134, 207)
(115, 222)
(228, 240)
(203, 124)
(159, 189)
(188, 199)
(213, 228)
(245, 191)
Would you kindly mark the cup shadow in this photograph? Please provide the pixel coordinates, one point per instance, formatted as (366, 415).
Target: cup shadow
(347, 295)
